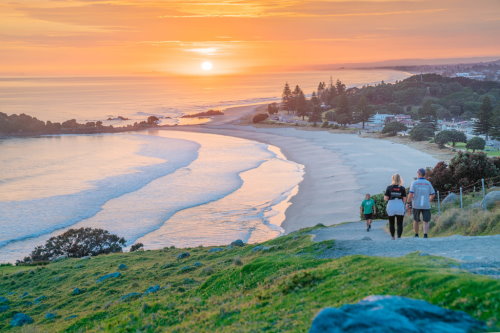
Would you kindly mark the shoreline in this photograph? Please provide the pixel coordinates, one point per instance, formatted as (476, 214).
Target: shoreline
(336, 175)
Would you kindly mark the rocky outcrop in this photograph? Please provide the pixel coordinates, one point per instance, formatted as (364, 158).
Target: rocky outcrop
(387, 314)
(491, 200)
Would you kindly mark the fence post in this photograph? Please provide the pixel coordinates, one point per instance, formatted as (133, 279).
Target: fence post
(461, 201)
(484, 190)
(439, 204)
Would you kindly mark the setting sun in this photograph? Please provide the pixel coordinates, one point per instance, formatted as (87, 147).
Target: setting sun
(207, 66)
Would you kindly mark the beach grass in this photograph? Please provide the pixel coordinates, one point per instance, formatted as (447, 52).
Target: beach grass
(277, 287)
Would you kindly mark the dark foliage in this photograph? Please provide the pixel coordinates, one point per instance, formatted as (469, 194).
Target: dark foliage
(393, 128)
(476, 143)
(465, 170)
(422, 132)
(136, 246)
(260, 117)
(77, 243)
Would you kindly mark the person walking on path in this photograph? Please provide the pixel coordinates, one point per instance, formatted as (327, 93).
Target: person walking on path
(368, 209)
(395, 195)
(421, 195)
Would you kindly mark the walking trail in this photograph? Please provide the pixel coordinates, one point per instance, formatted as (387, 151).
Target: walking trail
(477, 254)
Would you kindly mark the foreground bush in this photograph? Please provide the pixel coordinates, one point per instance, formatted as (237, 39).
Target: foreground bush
(77, 243)
(260, 117)
(465, 170)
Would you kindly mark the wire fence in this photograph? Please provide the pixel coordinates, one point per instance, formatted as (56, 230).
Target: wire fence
(479, 187)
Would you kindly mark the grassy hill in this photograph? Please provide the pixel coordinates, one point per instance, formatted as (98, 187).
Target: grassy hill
(277, 286)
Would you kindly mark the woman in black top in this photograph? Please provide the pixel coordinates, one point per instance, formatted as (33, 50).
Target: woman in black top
(395, 194)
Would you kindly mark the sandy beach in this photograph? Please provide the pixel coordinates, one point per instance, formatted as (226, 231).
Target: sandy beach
(339, 168)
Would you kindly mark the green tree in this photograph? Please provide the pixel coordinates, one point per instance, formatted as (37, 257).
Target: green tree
(427, 111)
(393, 128)
(286, 98)
(484, 120)
(272, 108)
(443, 138)
(343, 114)
(153, 120)
(457, 136)
(495, 125)
(422, 132)
(77, 243)
(301, 104)
(363, 111)
(475, 143)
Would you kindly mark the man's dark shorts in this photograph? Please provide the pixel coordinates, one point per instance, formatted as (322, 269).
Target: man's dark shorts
(369, 216)
(426, 215)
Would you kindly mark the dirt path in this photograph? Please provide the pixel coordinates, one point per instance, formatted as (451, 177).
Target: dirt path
(478, 254)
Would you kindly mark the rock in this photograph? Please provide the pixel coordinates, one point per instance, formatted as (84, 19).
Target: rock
(197, 264)
(109, 276)
(4, 308)
(130, 297)
(186, 269)
(262, 248)
(491, 200)
(366, 238)
(387, 314)
(71, 317)
(77, 291)
(238, 243)
(450, 199)
(4, 300)
(25, 294)
(188, 281)
(215, 249)
(60, 258)
(122, 267)
(20, 319)
(39, 299)
(183, 255)
(50, 316)
(152, 289)
(85, 258)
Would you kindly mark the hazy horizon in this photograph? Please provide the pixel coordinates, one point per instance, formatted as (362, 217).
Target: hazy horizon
(122, 37)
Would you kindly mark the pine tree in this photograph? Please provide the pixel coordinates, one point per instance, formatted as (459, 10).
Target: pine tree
(340, 87)
(301, 104)
(286, 98)
(495, 126)
(295, 95)
(484, 121)
(315, 109)
(343, 114)
(363, 111)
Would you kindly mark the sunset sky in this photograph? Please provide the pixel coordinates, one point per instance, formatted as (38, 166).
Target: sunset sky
(64, 37)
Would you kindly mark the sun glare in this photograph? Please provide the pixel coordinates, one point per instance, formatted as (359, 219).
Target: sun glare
(207, 66)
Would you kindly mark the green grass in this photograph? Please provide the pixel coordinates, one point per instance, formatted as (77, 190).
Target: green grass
(279, 290)
(491, 152)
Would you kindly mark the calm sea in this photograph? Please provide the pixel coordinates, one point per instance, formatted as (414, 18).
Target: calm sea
(160, 188)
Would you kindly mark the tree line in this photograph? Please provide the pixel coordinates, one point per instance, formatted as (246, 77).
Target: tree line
(425, 98)
(24, 124)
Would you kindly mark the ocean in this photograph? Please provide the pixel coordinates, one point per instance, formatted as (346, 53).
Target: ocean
(161, 188)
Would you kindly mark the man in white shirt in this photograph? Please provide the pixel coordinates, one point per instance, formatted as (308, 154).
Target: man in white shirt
(421, 195)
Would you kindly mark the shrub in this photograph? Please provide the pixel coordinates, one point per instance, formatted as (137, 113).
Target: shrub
(77, 243)
(136, 247)
(468, 222)
(260, 117)
(476, 143)
(393, 128)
